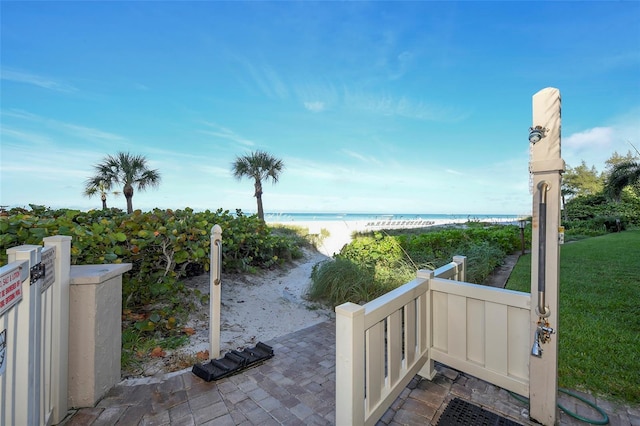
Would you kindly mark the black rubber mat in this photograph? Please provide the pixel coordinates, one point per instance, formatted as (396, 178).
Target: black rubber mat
(460, 412)
(233, 362)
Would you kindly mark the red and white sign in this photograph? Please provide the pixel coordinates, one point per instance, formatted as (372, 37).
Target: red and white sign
(10, 289)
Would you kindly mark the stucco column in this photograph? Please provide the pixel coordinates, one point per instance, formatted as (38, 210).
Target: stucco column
(95, 331)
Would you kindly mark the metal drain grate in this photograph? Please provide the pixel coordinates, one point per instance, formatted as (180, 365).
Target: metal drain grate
(460, 412)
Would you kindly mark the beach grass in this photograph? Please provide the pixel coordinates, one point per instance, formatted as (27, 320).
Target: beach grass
(599, 331)
(342, 280)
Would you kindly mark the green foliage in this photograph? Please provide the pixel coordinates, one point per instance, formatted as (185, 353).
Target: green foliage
(599, 314)
(582, 180)
(342, 280)
(601, 202)
(596, 215)
(373, 250)
(377, 262)
(163, 246)
(301, 235)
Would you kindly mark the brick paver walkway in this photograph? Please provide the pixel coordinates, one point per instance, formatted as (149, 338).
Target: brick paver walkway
(297, 387)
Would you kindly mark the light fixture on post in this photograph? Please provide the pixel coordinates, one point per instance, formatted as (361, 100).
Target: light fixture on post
(522, 223)
(536, 133)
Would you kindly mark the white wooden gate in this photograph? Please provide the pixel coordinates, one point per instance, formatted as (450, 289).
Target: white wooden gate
(483, 331)
(34, 333)
(381, 345)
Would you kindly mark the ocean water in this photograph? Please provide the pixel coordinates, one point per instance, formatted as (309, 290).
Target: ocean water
(306, 217)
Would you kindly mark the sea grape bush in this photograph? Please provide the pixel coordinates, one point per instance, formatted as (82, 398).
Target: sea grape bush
(162, 245)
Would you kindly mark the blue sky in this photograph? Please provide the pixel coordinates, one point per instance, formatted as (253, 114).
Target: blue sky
(409, 107)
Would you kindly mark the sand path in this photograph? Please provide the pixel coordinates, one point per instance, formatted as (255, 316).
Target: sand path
(254, 307)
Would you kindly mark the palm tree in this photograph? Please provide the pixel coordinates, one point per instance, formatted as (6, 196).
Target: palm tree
(260, 166)
(94, 186)
(127, 170)
(622, 175)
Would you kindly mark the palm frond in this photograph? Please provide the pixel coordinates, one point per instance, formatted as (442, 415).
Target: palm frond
(622, 175)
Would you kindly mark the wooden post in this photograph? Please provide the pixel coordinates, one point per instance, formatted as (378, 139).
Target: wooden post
(215, 274)
(60, 327)
(425, 313)
(349, 364)
(461, 274)
(546, 167)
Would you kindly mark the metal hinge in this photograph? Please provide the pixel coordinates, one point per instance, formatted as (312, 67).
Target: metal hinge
(37, 272)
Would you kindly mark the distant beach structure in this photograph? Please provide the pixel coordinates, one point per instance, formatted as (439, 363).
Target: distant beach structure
(340, 227)
(377, 220)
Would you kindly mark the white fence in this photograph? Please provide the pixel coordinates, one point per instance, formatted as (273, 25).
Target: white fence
(382, 345)
(483, 331)
(34, 324)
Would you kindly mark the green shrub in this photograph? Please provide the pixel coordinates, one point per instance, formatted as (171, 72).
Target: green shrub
(342, 280)
(163, 246)
(592, 212)
(386, 260)
(482, 258)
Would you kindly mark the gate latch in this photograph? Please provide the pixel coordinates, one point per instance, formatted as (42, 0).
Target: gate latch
(37, 272)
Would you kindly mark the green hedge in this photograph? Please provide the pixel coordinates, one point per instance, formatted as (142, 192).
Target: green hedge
(162, 245)
(388, 259)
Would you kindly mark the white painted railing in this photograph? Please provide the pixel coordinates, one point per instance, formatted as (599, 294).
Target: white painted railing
(382, 345)
(34, 334)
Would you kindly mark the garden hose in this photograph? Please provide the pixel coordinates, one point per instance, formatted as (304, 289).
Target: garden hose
(605, 418)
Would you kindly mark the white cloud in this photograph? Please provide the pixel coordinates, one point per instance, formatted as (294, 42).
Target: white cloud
(597, 137)
(216, 171)
(31, 138)
(34, 79)
(403, 106)
(363, 158)
(594, 146)
(225, 133)
(316, 106)
(81, 132)
(90, 133)
(454, 172)
(267, 80)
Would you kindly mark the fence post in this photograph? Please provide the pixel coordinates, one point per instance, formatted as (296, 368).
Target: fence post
(428, 370)
(461, 274)
(350, 367)
(60, 337)
(215, 277)
(29, 346)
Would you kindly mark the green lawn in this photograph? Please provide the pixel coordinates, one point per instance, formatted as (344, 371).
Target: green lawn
(599, 332)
